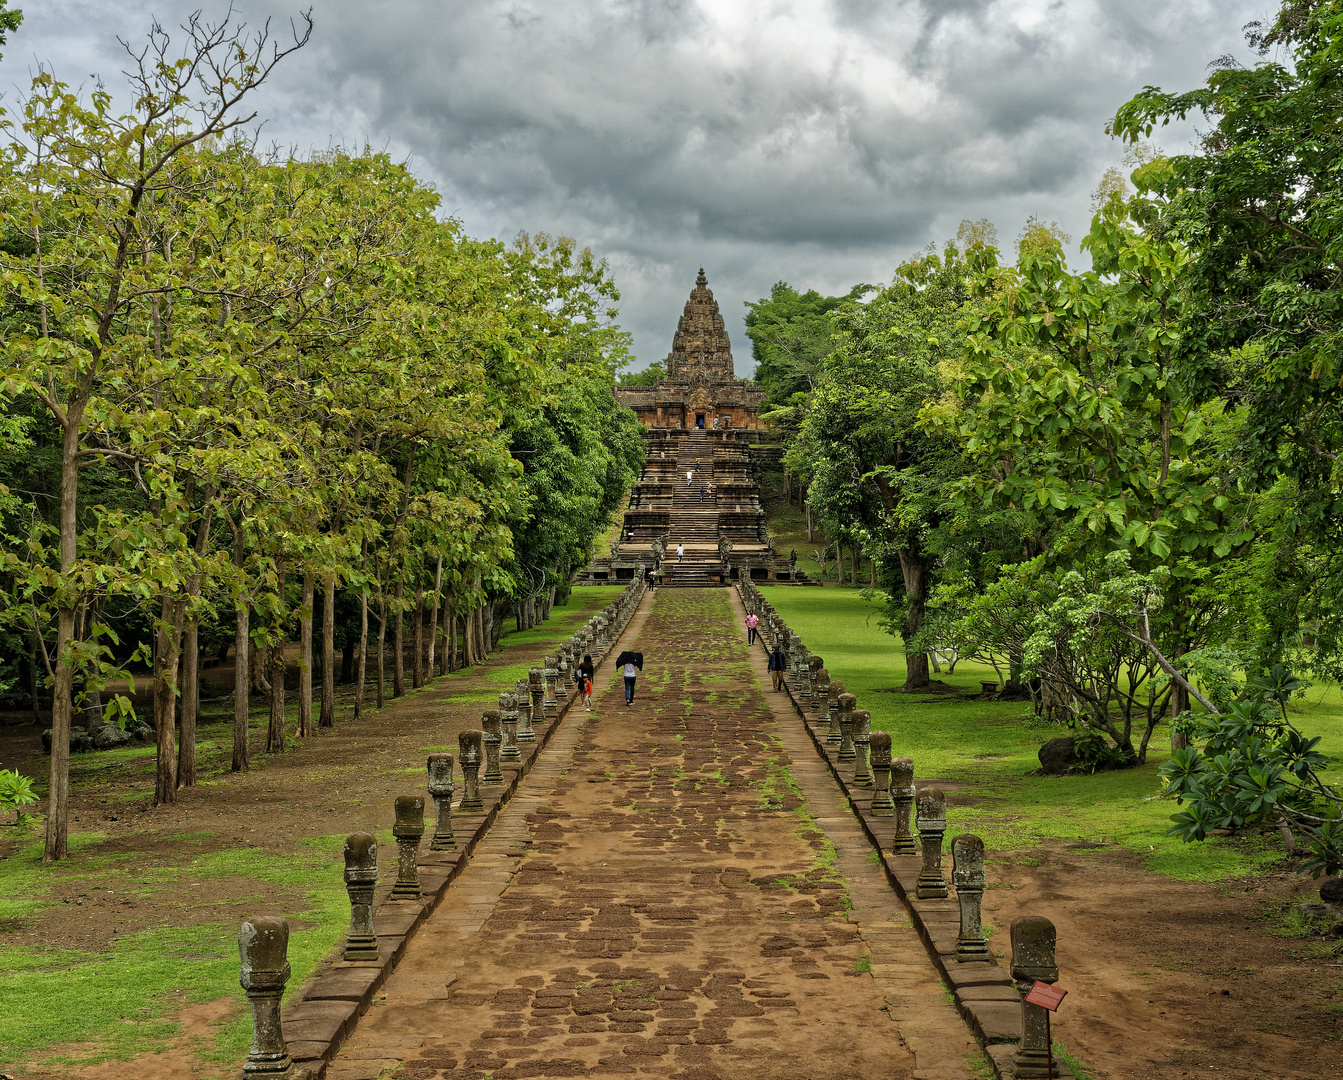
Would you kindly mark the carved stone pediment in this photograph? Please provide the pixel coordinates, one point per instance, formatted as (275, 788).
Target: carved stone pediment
(701, 399)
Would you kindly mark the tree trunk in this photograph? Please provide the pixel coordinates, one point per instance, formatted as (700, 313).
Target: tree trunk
(167, 645)
(33, 681)
(275, 730)
(58, 804)
(417, 661)
(1179, 702)
(363, 654)
(433, 619)
(257, 662)
(305, 657)
(839, 562)
(399, 645)
(242, 758)
(450, 657)
(186, 741)
(328, 718)
(915, 573)
(382, 654)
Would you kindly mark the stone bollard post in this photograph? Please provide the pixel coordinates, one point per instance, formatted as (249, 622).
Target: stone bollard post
(902, 795)
(263, 946)
(803, 668)
(361, 876)
(932, 824)
(552, 674)
(537, 678)
(492, 737)
(525, 733)
(967, 874)
(846, 750)
(408, 829)
(835, 735)
(823, 694)
(881, 805)
(508, 714)
(441, 788)
(1033, 940)
(814, 666)
(862, 743)
(797, 657)
(468, 746)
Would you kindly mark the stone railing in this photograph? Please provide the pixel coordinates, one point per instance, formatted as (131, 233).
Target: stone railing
(906, 824)
(383, 918)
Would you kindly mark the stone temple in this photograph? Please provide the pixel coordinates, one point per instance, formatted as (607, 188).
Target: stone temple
(701, 431)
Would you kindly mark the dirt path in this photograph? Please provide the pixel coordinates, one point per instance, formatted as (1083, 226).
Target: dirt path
(659, 900)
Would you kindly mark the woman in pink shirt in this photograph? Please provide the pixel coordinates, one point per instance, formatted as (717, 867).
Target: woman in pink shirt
(752, 621)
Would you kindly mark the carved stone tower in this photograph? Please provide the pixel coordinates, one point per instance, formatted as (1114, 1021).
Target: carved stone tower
(701, 354)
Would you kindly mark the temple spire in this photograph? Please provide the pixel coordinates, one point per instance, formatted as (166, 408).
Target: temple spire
(701, 352)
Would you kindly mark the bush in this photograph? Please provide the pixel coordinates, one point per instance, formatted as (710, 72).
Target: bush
(16, 792)
(1255, 768)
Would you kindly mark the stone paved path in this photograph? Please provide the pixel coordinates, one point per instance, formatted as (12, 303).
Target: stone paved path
(659, 899)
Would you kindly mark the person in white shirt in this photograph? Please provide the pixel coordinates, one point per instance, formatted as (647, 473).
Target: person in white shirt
(689, 476)
(680, 551)
(630, 664)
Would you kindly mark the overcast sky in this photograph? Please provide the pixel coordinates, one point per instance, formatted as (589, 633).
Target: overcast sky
(813, 141)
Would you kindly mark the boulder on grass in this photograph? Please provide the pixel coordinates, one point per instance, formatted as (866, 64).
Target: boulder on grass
(1331, 890)
(80, 740)
(110, 737)
(142, 733)
(1059, 755)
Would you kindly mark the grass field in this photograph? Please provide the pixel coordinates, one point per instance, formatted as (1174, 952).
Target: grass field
(119, 999)
(990, 747)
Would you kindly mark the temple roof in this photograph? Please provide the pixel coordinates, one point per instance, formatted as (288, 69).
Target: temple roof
(701, 352)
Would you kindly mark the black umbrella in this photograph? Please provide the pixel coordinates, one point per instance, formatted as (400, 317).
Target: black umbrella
(629, 657)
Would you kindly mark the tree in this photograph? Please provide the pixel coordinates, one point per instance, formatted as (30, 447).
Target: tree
(1070, 408)
(1256, 210)
(88, 183)
(878, 475)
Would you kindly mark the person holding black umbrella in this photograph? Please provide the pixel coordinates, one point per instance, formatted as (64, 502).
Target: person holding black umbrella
(631, 663)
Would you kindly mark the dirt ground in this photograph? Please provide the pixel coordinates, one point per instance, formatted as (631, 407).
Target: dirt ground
(1169, 978)
(1166, 978)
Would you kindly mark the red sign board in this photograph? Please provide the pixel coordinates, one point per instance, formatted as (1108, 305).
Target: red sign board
(1046, 996)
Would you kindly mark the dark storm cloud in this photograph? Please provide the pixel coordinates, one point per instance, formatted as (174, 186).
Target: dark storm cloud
(818, 142)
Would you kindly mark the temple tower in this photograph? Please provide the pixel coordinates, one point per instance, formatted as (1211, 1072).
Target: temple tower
(704, 447)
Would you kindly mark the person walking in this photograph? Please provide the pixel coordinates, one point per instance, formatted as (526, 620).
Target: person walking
(752, 621)
(650, 580)
(630, 664)
(689, 477)
(701, 493)
(680, 552)
(778, 664)
(585, 673)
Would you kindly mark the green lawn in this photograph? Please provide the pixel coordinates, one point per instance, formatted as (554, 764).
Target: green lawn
(990, 747)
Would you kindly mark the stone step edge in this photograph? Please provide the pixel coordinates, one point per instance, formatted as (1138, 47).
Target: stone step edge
(323, 994)
(993, 1044)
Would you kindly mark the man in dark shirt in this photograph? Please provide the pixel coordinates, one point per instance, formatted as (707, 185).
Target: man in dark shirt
(778, 664)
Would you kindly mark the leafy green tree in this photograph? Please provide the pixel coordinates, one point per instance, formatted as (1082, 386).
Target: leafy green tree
(1069, 407)
(1256, 209)
(877, 473)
